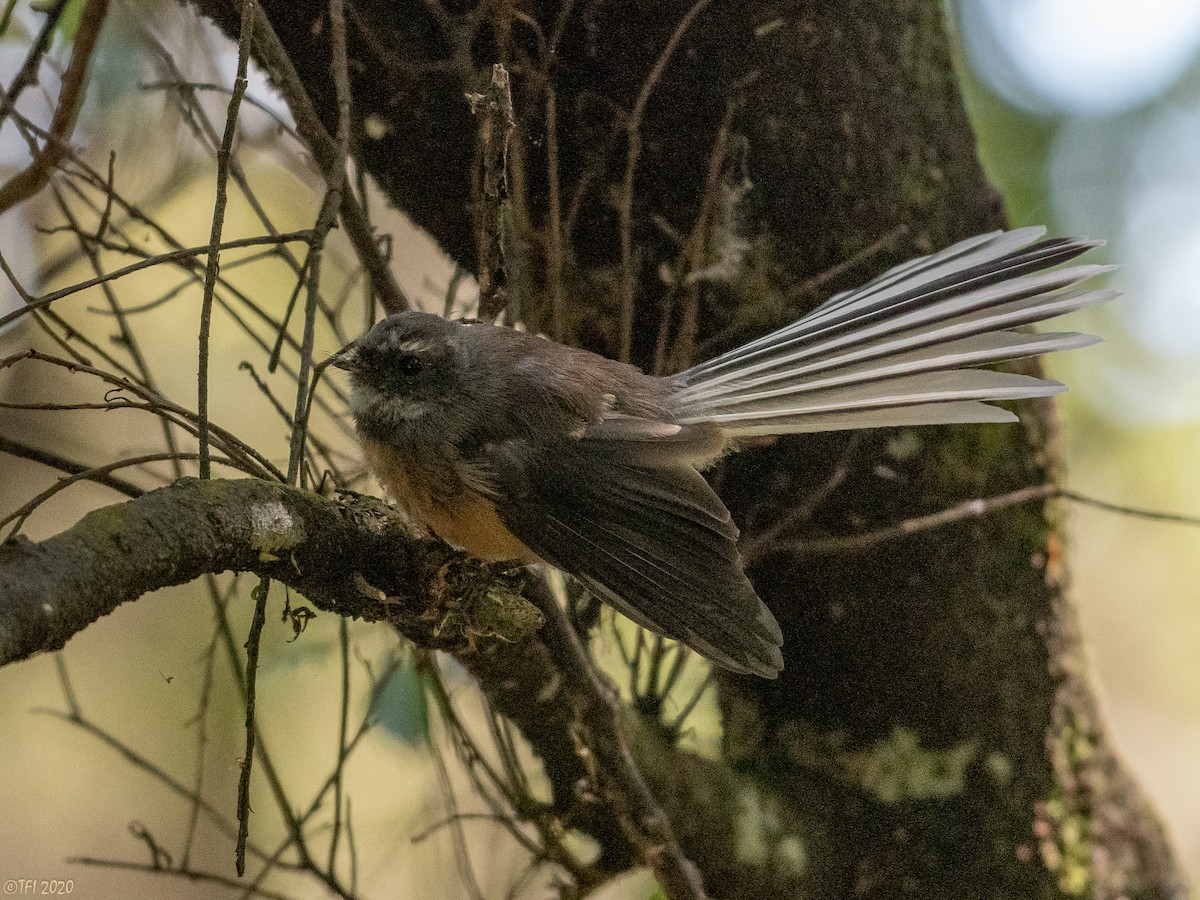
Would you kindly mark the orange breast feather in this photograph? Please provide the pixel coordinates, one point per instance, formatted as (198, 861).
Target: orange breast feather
(447, 507)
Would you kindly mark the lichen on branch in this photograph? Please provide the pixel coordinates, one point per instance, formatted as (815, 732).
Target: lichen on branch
(353, 557)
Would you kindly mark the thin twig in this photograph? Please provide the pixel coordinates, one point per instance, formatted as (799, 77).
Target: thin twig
(191, 874)
(554, 221)
(961, 512)
(252, 644)
(159, 405)
(812, 285)
(180, 84)
(131, 756)
(343, 729)
(27, 75)
(335, 179)
(19, 515)
(54, 461)
(325, 150)
(224, 155)
(128, 337)
(642, 818)
(633, 151)
(1151, 515)
(33, 178)
(201, 720)
(184, 253)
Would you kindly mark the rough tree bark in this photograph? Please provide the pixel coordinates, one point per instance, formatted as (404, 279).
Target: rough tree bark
(932, 734)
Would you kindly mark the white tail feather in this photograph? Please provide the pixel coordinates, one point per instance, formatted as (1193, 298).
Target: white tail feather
(893, 352)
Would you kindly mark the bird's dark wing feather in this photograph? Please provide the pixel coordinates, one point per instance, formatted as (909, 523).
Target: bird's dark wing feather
(656, 543)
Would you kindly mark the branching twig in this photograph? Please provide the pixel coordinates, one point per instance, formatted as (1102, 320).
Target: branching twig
(638, 810)
(33, 178)
(336, 189)
(261, 592)
(180, 255)
(633, 152)
(28, 73)
(213, 264)
(961, 512)
(70, 466)
(325, 150)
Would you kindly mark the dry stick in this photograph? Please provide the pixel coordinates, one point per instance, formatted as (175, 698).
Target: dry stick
(633, 130)
(161, 406)
(517, 795)
(260, 593)
(365, 724)
(760, 538)
(811, 285)
(200, 719)
(643, 819)
(252, 644)
(462, 856)
(111, 196)
(183, 253)
(190, 874)
(6, 16)
(181, 84)
(39, 316)
(131, 756)
(694, 251)
(275, 326)
(342, 88)
(554, 243)
(203, 128)
(343, 730)
(969, 509)
(213, 264)
(37, 48)
(33, 178)
(327, 453)
(495, 111)
(1151, 515)
(19, 515)
(325, 150)
(294, 822)
(128, 337)
(109, 190)
(28, 74)
(335, 178)
(54, 461)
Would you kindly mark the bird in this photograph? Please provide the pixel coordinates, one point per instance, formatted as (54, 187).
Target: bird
(513, 447)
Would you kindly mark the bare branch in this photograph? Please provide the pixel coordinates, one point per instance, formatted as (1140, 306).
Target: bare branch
(33, 178)
(494, 107)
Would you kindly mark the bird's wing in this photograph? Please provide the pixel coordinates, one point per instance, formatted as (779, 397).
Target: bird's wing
(656, 543)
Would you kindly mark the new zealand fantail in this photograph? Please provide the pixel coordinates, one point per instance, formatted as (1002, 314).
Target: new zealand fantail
(518, 448)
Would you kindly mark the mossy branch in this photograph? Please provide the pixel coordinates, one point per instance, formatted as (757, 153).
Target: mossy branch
(351, 557)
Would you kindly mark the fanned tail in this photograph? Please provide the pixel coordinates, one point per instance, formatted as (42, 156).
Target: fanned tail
(901, 349)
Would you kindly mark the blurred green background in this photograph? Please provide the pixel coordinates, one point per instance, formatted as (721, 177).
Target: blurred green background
(1088, 120)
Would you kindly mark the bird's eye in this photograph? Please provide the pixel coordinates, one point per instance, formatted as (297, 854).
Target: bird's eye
(409, 365)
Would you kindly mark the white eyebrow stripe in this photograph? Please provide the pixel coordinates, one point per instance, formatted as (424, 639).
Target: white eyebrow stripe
(413, 346)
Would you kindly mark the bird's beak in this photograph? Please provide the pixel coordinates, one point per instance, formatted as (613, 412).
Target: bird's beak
(345, 359)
